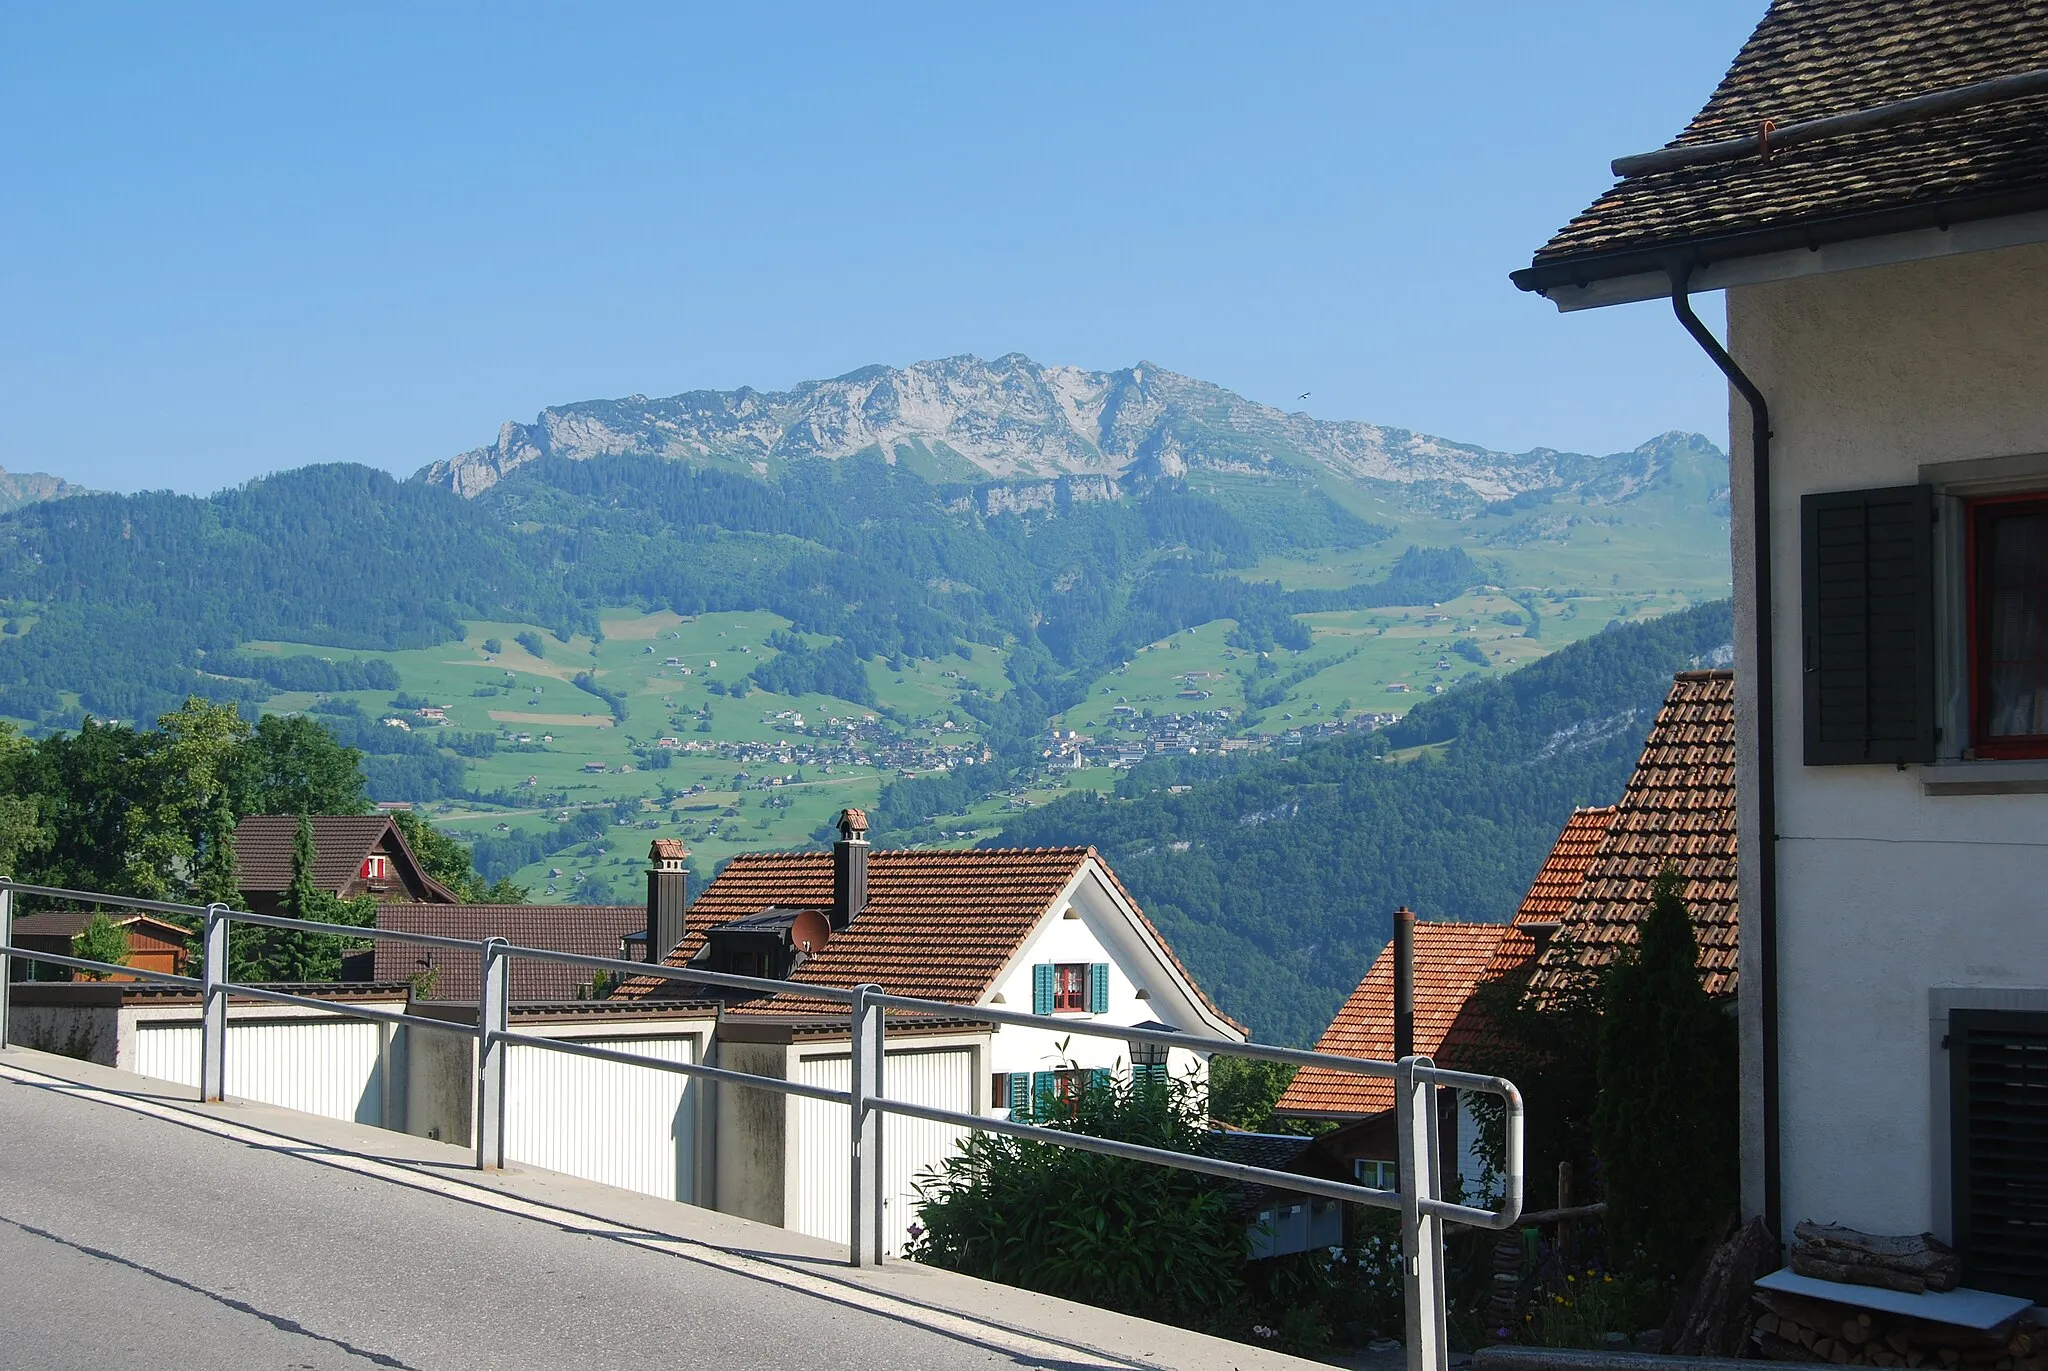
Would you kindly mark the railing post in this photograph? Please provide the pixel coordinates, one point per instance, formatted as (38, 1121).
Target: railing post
(1422, 1235)
(492, 1010)
(213, 1005)
(6, 962)
(864, 1191)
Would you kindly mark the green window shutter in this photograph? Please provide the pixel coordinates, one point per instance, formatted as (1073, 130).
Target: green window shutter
(1020, 1095)
(1098, 988)
(1041, 1095)
(1098, 1078)
(1041, 988)
(1867, 625)
(1998, 1078)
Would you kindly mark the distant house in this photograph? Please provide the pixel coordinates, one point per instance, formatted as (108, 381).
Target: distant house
(1049, 931)
(354, 854)
(154, 944)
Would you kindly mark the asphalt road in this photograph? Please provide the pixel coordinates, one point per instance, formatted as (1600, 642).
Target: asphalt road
(130, 1241)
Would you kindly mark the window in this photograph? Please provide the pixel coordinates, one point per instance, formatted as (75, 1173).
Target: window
(2007, 559)
(377, 868)
(1070, 987)
(1379, 1175)
(1998, 1084)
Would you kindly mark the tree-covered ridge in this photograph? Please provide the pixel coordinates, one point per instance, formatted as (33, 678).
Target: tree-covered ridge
(135, 602)
(1274, 876)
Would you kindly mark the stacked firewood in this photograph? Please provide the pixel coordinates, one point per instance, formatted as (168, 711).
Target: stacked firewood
(1795, 1328)
(1912, 1264)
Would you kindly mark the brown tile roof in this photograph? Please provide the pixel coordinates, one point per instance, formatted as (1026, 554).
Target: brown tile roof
(594, 930)
(263, 851)
(939, 923)
(1450, 960)
(1809, 59)
(1679, 807)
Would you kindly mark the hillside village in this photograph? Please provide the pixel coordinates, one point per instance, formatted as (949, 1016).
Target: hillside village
(1321, 891)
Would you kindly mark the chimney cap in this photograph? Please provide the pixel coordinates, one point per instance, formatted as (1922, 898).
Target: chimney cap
(667, 850)
(852, 822)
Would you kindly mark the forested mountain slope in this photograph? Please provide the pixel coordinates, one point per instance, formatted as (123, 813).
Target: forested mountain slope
(1274, 877)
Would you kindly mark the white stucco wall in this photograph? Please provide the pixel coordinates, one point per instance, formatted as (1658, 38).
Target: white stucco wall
(1099, 933)
(1888, 894)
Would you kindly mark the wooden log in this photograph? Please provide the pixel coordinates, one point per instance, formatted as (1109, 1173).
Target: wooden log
(1917, 1255)
(1713, 1313)
(1807, 1263)
(1778, 1349)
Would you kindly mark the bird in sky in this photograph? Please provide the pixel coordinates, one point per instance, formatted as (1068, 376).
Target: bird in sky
(1304, 395)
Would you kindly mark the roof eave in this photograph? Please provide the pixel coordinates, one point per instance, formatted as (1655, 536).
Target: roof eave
(1811, 247)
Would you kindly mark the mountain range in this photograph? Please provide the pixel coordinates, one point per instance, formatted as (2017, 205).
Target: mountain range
(963, 420)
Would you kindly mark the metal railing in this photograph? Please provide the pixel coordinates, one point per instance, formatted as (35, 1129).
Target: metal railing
(1416, 1080)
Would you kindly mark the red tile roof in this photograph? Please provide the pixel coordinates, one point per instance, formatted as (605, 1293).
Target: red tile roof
(939, 923)
(1450, 960)
(594, 930)
(263, 852)
(1679, 808)
(1564, 870)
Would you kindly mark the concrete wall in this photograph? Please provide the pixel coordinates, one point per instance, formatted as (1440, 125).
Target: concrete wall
(751, 1128)
(91, 1033)
(1892, 897)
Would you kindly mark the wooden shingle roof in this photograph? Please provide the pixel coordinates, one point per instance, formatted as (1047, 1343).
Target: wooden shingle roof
(1679, 808)
(1812, 59)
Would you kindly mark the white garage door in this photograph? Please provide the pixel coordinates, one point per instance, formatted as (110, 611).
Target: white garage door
(330, 1067)
(618, 1125)
(821, 1152)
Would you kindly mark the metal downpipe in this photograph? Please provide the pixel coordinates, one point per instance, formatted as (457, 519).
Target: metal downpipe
(1766, 713)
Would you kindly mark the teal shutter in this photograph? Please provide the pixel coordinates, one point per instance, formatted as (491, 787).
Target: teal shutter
(1041, 988)
(1098, 988)
(1042, 1095)
(1098, 1079)
(1020, 1095)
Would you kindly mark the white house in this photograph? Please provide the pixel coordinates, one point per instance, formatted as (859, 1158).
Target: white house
(1886, 279)
(1046, 931)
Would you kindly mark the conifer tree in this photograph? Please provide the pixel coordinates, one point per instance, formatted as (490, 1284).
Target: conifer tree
(1665, 1123)
(216, 881)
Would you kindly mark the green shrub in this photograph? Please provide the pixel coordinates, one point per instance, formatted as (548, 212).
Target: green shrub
(1665, 1123)
(101, 940)
(1126, 1235)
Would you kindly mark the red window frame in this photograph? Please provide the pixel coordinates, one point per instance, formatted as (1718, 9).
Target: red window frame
(1976, 575)
(1070, 988)
(1068, 1085)
(376, 867)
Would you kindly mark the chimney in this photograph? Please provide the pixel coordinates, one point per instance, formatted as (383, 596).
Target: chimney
(1404, 982)
(849, 869)
(668, 891)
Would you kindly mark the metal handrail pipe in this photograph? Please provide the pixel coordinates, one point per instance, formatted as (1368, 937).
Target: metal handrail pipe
(679, 973)
(93, 897)
(1180, 1161)
(1293, 1056)
(243, 916)
(1467, 1080)
(232, 989)
(573, 1048)
(87, 964)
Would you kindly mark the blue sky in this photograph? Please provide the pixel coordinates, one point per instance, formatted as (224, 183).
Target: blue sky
(237, 240)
